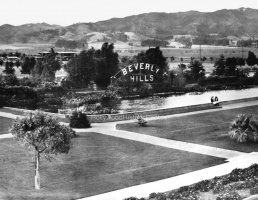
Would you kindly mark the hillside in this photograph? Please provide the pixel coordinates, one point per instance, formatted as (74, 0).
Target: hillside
(238, 23)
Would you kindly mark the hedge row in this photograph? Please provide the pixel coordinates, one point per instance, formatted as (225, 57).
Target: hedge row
(217, 80)
(31, 98)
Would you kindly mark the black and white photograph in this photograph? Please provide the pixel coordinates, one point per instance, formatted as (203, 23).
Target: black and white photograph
(129, 100)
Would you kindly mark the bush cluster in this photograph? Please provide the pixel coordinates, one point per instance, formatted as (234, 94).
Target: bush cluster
(79, 120)
(224, 186)
(10, 91)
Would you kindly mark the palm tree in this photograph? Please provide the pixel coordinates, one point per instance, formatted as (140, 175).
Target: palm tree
(244, 128)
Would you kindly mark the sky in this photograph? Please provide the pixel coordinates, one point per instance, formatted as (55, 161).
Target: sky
(68, 12)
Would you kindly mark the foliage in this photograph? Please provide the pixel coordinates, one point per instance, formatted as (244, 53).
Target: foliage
(240, 62)
(81, 69)
(254, 190)
(29, 92)
(154, 56)
(55, 90)
(8, 80)
(108, 64)
(251, 59)
(43, 134)
(244, 129)
(28, 65)
(22, 103)
(230, 69)
(217, 80)
(47, 67)
(232, 195)
(154, 43)
(196, 71)
(225, 186)
(2, 101)
(9, 68)
(68, 44)
(33, 81)
(219, 66)
(79, 120)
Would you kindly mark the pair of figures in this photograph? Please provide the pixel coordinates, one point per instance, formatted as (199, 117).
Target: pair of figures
(215, 100)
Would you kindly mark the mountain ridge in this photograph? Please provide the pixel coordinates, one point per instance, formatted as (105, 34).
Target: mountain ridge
(242, 22)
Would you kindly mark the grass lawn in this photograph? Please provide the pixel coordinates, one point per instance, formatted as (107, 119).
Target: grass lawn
(96, 164)
(5, 124)
(209, 129)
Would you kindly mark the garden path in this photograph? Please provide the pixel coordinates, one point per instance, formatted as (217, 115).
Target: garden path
(235, 159)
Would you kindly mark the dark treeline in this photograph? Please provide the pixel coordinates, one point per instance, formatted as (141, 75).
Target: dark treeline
(69, 44)
(160, 43)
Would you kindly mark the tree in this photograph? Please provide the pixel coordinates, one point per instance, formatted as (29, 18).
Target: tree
(196, 70)
(51, 65)
(154, 56)
(230, 69)
(43, 136)
(107, 64)
(81, 69)
(46, 68)
(219, 66)
(28, 65)
(251, 59)
(244, 128)
(211, 58)
(9, 68)
(240, 62)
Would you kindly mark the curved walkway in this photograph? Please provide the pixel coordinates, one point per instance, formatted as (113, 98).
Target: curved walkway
(235, 159)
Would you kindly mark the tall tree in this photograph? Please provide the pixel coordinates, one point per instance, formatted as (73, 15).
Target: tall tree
(43, 136)
(240, 62)
(230, 69)
(46, 68)
(81, 69)
(251, 59)
(28, 65)
(108, 64)
(154, 56)
(196, 70)
(9, 68)
(219, 66)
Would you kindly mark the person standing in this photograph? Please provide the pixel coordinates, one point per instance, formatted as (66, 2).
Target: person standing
(212, 99)
(217, 101)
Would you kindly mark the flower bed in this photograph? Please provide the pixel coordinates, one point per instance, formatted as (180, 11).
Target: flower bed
(238, 184)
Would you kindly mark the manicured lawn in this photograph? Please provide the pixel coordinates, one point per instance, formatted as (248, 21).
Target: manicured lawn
(96, 164)
(209, 129)
(5, 124)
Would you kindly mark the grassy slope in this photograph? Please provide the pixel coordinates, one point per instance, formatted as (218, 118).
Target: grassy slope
(96, 164)
(5, 123)
(207, 129)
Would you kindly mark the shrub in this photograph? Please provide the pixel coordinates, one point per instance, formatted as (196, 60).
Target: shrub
(24, 103)
(202, 186)
(3, 100)
(244, 129)
(79, 120)
(8, 80)
(254, 190)
(56, 90)
(18, 90)
(232, 195)
(50, 108)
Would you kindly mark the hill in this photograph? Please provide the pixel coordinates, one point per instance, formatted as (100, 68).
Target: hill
(239, 23)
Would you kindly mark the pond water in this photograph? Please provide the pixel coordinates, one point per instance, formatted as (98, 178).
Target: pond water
(182, 100)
